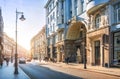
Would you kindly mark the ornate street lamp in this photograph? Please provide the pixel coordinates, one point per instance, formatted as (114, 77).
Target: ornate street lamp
(16, 55)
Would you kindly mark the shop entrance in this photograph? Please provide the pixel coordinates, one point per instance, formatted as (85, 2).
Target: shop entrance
(97, 52)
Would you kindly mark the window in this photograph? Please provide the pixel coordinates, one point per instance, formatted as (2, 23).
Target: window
(48, 31)
(53, 15)
(97, 21)
(48, 20)
(51, 41)
(117, 12)
(50, 17)
(116, 55)
(76, 7)
(62, 12)
(53, 27)
(50, 28)
(118, 15)
(55, 39)
(62, 18)
(53, 3)
(82, 6)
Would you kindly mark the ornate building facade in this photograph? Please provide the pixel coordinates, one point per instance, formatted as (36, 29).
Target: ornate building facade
(83, 30)
(115, 32)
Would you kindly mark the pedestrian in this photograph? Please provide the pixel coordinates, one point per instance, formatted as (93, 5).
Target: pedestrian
(7, 61)
(1, 61)
(67, 60)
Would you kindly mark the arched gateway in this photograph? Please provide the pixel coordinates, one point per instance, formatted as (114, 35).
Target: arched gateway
(76, 41)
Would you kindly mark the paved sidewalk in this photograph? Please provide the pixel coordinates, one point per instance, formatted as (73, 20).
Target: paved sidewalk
(109, 71)
(7, 72)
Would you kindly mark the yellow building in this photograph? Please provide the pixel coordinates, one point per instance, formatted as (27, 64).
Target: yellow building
(9, 46)
(38, 45)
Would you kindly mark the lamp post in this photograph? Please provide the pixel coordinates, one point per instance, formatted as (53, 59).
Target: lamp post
(16, 55)
(83, 43)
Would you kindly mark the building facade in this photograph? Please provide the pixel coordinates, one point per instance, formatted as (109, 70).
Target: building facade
(1, 34)
(98, 33)
(9, 46)
(38, 45)
(85, 31)
(115, 32)
(52, 18)
(66, 29)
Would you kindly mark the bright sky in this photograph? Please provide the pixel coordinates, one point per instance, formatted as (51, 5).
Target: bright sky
(34, 13)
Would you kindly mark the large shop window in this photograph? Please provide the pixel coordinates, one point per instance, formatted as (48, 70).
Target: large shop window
(117, 48)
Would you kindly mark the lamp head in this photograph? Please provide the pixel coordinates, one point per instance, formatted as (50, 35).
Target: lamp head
(22, 18)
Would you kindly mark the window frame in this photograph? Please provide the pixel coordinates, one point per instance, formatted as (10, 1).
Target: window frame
(97, 20)
(118, 15)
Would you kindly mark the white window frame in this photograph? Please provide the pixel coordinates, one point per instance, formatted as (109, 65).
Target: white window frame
(97, 25)
(118, 14)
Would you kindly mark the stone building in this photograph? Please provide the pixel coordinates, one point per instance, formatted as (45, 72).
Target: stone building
(51, 33)
(98, 33)
(114, 32)
(86, 31)
(9, 46)
(1, 34)
(38, 45)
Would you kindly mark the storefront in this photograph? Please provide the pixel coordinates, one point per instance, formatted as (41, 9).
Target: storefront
(116, 48)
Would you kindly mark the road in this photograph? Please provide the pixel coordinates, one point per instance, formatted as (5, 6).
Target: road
(45, 71)
(39, 72)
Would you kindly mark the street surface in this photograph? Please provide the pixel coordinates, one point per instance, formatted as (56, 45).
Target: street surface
(45, 71)
(39, 72)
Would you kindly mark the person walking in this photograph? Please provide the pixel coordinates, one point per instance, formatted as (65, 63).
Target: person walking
(1, 61)
(67, 60)
(7, 61)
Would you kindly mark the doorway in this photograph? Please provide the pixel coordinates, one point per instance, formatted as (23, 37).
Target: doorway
(97, 52)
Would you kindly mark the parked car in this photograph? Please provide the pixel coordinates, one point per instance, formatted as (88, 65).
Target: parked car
(22, 60)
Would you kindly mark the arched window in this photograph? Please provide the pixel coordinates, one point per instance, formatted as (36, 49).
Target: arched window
(97, 21)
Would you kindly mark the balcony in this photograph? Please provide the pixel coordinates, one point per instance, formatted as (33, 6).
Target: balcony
(95, 5)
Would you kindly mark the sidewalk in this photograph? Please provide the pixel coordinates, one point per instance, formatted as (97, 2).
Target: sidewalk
(109, 71)
(7, 72)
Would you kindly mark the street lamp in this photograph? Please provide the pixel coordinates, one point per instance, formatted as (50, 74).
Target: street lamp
(84, 53)
(16, 55)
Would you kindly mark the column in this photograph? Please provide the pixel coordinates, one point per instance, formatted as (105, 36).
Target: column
(101, 52)
(51, 52)
(58, 52)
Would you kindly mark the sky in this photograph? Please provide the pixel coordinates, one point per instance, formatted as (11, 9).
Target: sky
(34, 12)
